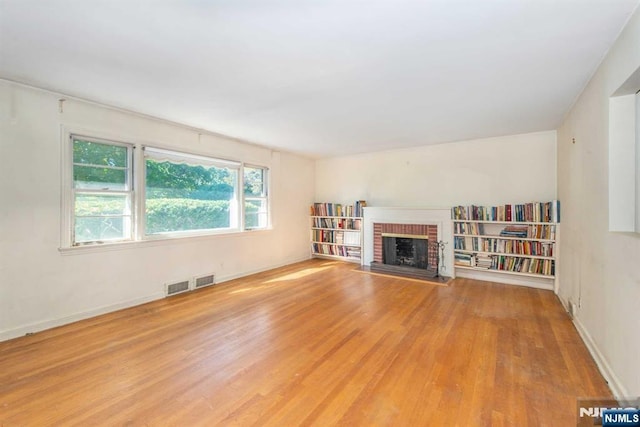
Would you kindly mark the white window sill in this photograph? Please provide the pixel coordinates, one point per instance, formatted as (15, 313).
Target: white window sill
(160, 240)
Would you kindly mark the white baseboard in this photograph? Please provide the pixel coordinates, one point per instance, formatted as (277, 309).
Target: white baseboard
(565, 304)
(618, 390)
(222, 279)
(48, 324)
(508, 279)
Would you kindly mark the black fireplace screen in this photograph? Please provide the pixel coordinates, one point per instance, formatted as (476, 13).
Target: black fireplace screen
(405, 251)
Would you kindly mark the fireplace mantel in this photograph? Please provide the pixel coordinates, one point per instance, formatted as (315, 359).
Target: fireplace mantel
(441, 217)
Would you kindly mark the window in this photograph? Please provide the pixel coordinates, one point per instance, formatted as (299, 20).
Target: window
(120, 193)
(255, 197)
(187, 193)
(102, 191)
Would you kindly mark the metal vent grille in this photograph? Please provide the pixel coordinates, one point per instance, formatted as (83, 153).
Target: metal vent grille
(203, 281)
(178, 287)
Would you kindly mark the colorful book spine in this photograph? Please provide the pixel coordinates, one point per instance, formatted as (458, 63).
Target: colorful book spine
(338, 210)
(527, 212)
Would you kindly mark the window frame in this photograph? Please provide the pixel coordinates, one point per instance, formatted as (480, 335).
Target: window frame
(212, 161)
(265, 187)
(129, 191)
(136, 193)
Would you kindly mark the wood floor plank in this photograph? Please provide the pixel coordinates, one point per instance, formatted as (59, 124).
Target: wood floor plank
(314, 343)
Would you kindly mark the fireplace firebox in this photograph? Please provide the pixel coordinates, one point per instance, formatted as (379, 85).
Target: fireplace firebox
(405, 249)
(409, 251)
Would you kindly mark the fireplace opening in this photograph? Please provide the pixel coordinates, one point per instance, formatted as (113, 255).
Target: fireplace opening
(405, 251)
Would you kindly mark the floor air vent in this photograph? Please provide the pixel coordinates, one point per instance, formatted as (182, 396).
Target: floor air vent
(178, 287)
(202, 281)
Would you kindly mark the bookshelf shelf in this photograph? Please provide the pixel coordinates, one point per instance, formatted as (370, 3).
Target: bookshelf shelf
(331, 229)
(497, 236)
(338, 217)
(502, 253)
(336, 231)
(462, 267)
(335, 244)
(505, 222)
(517, 240)
(339, 257)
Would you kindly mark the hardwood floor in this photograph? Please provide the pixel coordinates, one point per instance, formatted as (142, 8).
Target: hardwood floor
(315, 343)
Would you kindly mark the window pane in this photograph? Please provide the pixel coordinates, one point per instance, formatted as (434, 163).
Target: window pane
(255, 213)
(101, 205)
(94, 153)
(97, 178)
(254, 181)
(182, 197)
(92, 229)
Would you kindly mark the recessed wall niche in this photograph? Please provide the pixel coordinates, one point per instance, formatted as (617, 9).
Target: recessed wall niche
(624, 156)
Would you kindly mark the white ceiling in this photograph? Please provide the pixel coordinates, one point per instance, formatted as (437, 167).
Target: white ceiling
(320, 77)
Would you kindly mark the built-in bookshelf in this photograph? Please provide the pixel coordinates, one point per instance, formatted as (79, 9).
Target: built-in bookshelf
(518, 240)
(336, 230)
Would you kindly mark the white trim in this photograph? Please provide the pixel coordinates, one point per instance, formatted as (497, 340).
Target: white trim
(103, 141)
(190, 233)
(48, 324)
(618, 390)
(91, 165)
(237, 220)
(66, 179)
(139, 194)
(546, 283)
(221, 279)
(160, 240)
(266, 189)
(565, 304)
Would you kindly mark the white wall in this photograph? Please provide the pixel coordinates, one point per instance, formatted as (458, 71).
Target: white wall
(510, 169)
(40, 287)
(600, 269)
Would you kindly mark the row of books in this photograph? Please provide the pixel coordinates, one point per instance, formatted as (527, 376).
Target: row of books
(344, 223)
(344, 251)
(473, 260)
(483, 261)
(467, 260)
(520, 247)
(336, 209)
(337, 237)
(520, 231)
(531, 231)
(528, 212)
(545, 267)
(547, 232)
(468, 228)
